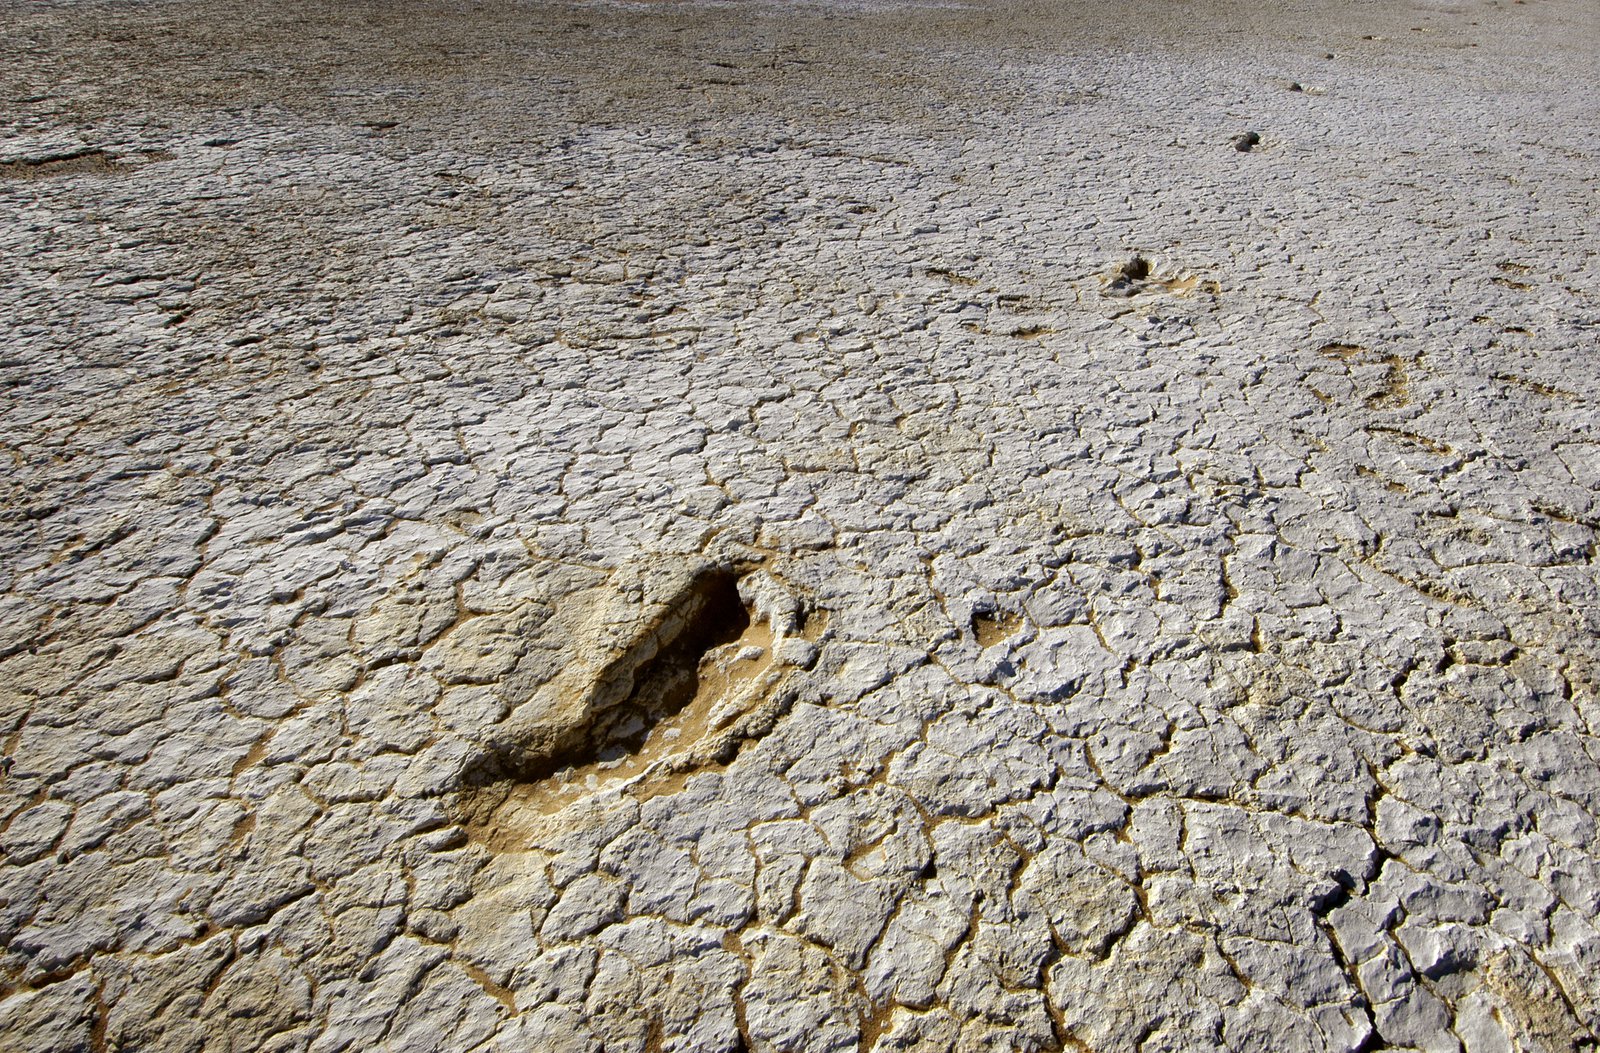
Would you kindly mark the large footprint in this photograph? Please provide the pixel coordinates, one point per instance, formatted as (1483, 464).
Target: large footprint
(670, 665)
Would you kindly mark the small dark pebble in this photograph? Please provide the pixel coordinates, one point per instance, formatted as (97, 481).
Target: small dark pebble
(1295, 85)
(1243, 143)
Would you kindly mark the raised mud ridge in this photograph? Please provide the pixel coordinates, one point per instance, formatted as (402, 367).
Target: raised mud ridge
(87, 161)
(654, 690)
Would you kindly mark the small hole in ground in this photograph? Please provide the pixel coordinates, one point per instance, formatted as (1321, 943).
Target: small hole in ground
(990, 627)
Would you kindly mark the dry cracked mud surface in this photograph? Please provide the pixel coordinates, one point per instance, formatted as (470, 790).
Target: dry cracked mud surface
(675, 527)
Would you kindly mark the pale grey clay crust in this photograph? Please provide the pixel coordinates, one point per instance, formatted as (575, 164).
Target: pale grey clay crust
(799, 526)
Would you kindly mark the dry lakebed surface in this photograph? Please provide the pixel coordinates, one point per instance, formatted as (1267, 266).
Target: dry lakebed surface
(627, 527)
